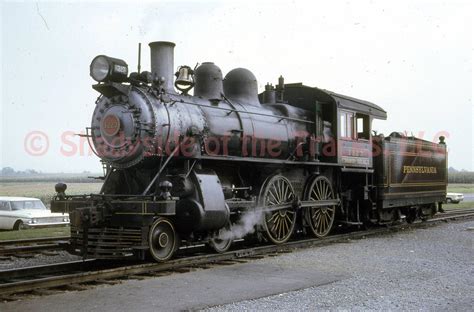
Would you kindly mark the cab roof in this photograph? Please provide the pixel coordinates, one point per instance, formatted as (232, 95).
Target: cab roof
(305, 96)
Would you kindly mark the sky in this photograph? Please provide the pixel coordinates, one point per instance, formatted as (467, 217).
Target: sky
(413, 58)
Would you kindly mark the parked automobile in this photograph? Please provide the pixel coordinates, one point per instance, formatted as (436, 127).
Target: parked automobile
(454, 198)
(18, 213)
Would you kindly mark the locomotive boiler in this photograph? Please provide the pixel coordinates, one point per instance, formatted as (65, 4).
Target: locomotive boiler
(227, 162)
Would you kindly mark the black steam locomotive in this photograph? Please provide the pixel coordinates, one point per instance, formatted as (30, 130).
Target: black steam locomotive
(226, 162)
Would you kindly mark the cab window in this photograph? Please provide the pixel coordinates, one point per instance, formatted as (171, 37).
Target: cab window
(363, 126)
(346, 123)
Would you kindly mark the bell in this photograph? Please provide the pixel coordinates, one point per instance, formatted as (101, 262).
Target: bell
(185, 79)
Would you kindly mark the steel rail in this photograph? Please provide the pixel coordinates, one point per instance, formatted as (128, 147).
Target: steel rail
(32, 240)
(42, 282)
(24, 246)
(45, 269)
(17, 250)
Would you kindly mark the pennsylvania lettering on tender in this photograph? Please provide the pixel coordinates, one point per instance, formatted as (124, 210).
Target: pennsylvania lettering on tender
(419, 169)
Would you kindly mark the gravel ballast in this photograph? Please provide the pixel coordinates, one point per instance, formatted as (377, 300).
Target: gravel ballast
(423, 269)
(37, 259)
(418, 269)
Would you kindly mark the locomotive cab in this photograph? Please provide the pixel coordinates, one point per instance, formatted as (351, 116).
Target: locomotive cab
(342, 125)
(354, 138)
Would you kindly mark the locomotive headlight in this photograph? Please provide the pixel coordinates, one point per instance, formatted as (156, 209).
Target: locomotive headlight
(104, 68)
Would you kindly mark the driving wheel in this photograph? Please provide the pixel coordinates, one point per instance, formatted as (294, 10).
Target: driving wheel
(278, 223)
(320, 218)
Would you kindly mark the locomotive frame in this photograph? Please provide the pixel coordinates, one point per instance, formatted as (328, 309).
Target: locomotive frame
(228, 163)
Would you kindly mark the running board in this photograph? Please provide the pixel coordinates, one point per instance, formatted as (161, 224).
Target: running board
(320, 203)
(289, 205)
(350, 222)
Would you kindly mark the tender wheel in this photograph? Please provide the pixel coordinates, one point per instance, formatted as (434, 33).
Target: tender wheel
(162, 240)
(278, 224)
(428, 211)
(320, 219)
(222, 241)
(411, 215)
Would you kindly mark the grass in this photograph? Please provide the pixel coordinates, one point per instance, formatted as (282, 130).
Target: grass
(460, 188)
(461, 205)
(45, 190)
(35, 233)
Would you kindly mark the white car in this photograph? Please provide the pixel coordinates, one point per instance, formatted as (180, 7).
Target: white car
(454, 198)
(18, 213)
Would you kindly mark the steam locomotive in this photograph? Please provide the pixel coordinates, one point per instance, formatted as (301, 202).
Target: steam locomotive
(228, 163)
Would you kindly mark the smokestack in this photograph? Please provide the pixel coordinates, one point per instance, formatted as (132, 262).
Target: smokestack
(162, 62)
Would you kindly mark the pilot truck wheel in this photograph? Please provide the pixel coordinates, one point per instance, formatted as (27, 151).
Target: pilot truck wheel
(162, 240)
(223, 240)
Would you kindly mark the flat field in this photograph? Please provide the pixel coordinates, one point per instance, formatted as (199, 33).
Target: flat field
(45, 190)
(461, 188)
(463, 204)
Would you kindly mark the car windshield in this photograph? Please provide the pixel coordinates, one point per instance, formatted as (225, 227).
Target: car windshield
(27, 204)
(4, 205)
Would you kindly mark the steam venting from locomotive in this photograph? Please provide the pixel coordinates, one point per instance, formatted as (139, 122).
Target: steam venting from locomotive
(244, 226)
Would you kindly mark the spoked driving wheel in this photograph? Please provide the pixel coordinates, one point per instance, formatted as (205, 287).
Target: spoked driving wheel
(162, 240)
(278, 224)
(320, 218)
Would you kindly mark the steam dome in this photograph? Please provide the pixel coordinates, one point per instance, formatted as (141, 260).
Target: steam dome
(240, 85)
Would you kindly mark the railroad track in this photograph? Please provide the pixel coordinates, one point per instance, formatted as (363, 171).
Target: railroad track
(48, 279)
(18, 247)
